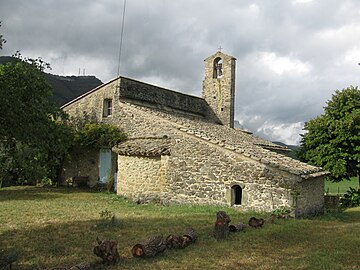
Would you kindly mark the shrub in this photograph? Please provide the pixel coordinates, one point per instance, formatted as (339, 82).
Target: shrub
(99, 135)
(351, 198)
(45, 182)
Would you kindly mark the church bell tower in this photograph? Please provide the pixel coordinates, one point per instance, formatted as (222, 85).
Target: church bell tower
(219, 86)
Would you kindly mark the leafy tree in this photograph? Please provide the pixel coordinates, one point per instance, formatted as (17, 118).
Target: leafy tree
(33, 139)
(332, 140)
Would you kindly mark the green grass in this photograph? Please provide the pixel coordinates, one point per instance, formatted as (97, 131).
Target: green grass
(58, 227)
(341, 187)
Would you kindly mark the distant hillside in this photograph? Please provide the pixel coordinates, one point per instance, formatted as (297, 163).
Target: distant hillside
(65, 88)
(69, 87)
(293, 149)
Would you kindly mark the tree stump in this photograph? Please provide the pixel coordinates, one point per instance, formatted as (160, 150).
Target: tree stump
(149, 248)
(107, 250)
(237, 227)
(173, 241)
(255, 222)
(221, 225)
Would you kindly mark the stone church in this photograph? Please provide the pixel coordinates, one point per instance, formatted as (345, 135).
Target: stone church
(185, 149)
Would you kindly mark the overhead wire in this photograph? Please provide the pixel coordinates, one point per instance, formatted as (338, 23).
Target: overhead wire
(121, 38)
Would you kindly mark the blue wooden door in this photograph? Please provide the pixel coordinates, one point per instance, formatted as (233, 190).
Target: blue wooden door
(105, 165)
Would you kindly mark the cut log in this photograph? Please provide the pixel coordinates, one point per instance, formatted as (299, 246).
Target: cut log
(191, 234)
(221, 230)
(173, 241)
(149, 248)
(256, 222)
(237, 227)
(107, 250)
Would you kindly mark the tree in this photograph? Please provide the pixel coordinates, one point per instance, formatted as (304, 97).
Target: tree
(33, 136)
(332, 140)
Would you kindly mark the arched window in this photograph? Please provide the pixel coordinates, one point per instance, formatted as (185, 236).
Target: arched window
(236, 194)
(218, 68)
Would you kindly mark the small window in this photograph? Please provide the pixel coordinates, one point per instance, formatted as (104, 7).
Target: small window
(107, 108)
(236, 196)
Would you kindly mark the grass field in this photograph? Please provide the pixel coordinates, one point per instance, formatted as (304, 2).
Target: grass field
(58, 227)
(341, 187)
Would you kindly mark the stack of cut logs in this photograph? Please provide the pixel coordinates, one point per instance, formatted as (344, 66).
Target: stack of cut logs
(107, 249)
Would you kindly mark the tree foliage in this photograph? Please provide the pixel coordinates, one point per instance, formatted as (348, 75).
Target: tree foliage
(332, 140)
(99, 135)
(33, 138)
(35, 135)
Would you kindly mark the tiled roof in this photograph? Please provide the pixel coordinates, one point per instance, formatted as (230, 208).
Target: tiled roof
(238, 142)
(149, 147)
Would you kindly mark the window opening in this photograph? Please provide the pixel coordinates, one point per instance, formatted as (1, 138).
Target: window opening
(107, 108)
(237, 194)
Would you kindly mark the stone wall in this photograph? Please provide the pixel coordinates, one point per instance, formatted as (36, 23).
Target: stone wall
(198, 171)
(141, 178)
(310, 197)
(92, 103)
(202, 173)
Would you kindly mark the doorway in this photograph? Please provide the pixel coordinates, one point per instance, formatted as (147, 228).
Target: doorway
(105, 165)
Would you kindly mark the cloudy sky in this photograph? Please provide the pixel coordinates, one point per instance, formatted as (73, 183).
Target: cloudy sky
(291, 54)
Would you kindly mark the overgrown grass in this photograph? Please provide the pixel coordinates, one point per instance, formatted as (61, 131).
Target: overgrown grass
(341, 187)
(58, 227)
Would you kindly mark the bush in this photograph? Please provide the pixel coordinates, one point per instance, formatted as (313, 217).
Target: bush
(351, 198)
(45, 182)
(99, 135)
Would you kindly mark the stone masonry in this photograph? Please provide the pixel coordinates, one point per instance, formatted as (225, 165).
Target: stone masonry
(182, 150)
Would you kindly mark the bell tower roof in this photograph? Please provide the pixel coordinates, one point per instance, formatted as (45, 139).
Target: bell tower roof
(219, 54)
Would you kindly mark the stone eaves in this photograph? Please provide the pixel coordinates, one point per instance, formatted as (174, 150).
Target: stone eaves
(148, 147)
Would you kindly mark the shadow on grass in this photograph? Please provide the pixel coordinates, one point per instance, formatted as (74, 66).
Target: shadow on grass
(67, 244)
(36, 193)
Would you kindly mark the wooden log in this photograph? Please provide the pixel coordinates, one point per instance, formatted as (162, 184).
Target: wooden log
(191, 234)
(173, 241)
(149, 248)
(256, 222)
(221, 230)
(237, 227)
(107, 251)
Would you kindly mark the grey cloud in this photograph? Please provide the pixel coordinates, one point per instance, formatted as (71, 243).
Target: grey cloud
(166, 41)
